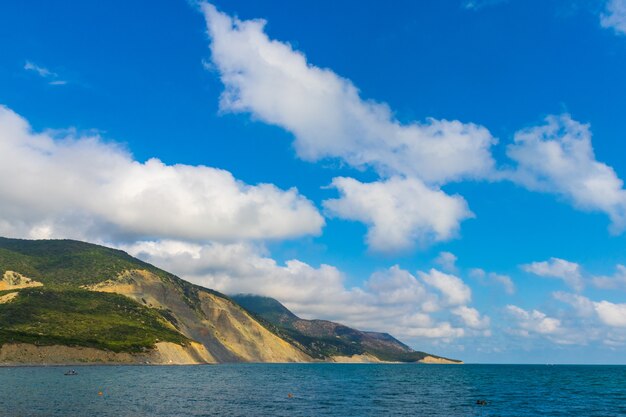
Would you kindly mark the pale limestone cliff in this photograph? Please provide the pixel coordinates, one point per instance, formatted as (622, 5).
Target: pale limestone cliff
(6, 298)
(432, 359)
(364, 358)
(13, 281)
(227, 332)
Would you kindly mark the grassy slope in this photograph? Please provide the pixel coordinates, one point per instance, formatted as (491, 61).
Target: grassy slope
(61, 312)
(83, 318)
(66, 263)
(269, 308)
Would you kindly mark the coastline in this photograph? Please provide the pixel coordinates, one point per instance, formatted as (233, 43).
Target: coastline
(164, 354)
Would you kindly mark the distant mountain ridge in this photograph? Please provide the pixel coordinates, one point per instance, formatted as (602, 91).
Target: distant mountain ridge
(65, 301)
(323, 338)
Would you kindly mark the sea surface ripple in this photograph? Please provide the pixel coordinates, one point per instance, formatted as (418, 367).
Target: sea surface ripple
(314, 390)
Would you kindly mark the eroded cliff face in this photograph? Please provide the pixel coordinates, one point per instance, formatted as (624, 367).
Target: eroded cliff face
(7, 298)
(12, 280)
(228, 333)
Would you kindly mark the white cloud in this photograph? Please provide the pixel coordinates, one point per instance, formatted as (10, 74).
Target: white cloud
(276, 84)
(558, 158)
(504, 280)
(58, 184)
(611, 314)
(533, 322)
(614, 16)
(455, 292)
(396, 286)
(329, 119)
(447, 261)
(391, 300)
(398, 211)
(326, 114)
(471, 317)
(567, 271)
(492, 278)
(617, 281)
(571, 274)
(44, 72)
(582, 305)
(594, 320)
(443, 330)
(562, 328)
(241, 268)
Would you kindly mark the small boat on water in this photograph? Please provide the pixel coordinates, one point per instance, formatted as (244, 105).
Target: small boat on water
(71, 372)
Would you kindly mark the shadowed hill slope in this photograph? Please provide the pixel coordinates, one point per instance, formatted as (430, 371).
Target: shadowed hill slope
(323, 339)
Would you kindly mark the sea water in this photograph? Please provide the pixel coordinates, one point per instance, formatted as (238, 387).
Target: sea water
(314, 390)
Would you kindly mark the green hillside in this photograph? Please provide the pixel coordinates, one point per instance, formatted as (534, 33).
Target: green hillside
(71, 264)
(61, 312)
(268, 308)
(83, 318)
(66, 263)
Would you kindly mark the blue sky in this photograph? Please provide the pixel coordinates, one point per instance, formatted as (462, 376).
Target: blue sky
(446, 171)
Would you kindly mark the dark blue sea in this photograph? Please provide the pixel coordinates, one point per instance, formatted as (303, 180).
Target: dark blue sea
(315, 390)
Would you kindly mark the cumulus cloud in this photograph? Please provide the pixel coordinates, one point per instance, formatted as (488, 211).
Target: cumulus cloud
(558, 158)
(397, 286)
(504, 280)
(583, 307)
(444, 330)
(243, 268)
(447, 261)
(579, 326)
(614, 16)
(611, 314)
(533, 322)
(59, 184)
(589, 320)
(567, 271)
(571, 273)
(398, 211)
(617, 281)
(391, 300)
(492, 278)
(329, 119)
(455, 292)
(276, 84)
(472, 317)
